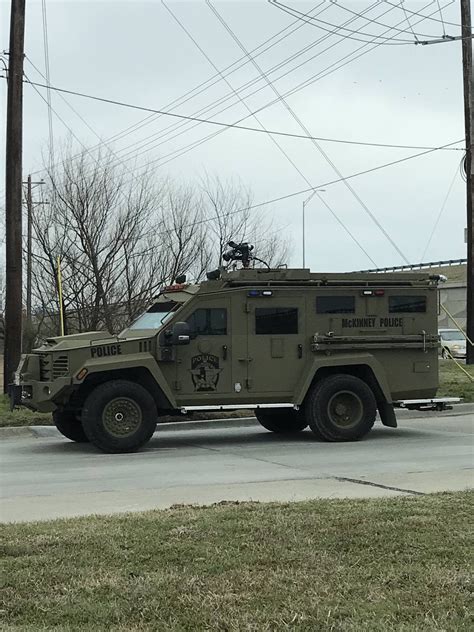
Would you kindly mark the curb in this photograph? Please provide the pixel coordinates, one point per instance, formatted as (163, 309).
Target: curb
(11, 432)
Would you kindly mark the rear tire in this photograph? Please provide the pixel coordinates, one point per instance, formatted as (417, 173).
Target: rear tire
(340, 408)
(119, 416)
(69, 426)
(281, 421)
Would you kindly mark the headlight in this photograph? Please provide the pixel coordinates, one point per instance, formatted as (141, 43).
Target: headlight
(456, 347)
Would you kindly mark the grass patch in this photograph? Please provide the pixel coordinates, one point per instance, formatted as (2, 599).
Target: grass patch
(21, 416)
(387, 564)
(453, 383)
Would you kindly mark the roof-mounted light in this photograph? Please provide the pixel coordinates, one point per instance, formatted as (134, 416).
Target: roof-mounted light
(176, 287)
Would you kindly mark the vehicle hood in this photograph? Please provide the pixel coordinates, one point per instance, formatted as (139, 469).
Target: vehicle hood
(85, 339)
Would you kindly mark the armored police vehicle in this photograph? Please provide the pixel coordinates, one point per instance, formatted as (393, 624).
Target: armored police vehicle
(299, 348)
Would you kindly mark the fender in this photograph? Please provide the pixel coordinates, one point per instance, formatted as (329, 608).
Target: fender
(339, 361)
(131, 361)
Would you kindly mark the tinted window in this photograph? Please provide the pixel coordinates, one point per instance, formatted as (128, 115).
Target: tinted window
(406, 304)
(208, 322)
(335, 304)
(276, 320)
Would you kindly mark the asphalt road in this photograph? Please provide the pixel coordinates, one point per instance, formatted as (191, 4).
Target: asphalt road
(46, 476)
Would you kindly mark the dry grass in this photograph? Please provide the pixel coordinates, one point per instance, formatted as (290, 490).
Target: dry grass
(392, 564)
(453, 382)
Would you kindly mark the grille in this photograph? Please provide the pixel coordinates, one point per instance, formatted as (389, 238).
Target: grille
(60, 367)
(45, 367)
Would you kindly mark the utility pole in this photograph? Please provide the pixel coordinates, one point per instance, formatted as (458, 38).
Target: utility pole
(469, 126)
(13, 192)
(29, 251)
(29, 210)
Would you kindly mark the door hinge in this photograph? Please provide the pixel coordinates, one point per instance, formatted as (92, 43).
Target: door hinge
(249, 383)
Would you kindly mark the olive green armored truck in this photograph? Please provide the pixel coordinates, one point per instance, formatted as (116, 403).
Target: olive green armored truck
(299, 348)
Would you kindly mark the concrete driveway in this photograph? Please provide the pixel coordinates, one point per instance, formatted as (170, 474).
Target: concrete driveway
(46, 476)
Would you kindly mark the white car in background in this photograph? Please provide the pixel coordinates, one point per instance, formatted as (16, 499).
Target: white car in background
(453, 343)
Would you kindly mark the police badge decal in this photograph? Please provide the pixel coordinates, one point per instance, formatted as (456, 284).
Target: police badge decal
(205, 372)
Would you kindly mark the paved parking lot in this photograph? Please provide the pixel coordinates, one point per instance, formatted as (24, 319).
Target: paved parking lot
(45, 476)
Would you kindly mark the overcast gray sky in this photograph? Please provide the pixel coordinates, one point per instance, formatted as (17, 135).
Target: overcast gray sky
(395, 93)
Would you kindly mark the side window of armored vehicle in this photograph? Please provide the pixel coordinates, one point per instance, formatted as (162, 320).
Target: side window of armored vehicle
(276, 320)
(335, 304)
(208, 321)
(406, 304)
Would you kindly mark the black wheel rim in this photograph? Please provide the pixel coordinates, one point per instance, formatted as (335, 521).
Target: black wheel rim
(122, 417)
(345, 409)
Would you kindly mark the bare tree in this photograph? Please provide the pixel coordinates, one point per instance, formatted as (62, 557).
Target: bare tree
(228, 207)
(120, 239)
(100, 226)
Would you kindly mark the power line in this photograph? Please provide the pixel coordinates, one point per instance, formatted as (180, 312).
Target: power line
(350, 57)
(202, 87)
(441, 16)
(320, 75)
(226, 125)
(416, 35)
(334, 28)
(441, 211)
(102, 142)
(48, 81)
(300, 86)
(244, 86)
(279, 147)
(402, 4)
(179, 152)
(306, 130)
(303, 191)
(326, 36)
(425, 17)
(323, 184)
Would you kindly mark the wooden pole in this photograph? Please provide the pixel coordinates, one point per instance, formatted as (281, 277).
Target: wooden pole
(469, 127)
(13, 192)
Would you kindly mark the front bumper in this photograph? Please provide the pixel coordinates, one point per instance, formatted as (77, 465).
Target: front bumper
(31, 391)
(42, 397)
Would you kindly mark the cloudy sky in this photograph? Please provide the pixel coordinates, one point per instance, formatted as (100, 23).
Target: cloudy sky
(338, 85)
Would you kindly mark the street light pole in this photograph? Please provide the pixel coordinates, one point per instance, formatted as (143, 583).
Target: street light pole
(305, 202)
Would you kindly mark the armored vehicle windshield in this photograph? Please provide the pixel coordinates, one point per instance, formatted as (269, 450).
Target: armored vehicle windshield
(155, 316)
(170, 299)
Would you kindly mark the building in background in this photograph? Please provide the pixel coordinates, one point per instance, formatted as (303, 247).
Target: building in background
(452, 294)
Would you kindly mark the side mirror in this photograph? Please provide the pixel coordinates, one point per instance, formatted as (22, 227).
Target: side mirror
(180, 334)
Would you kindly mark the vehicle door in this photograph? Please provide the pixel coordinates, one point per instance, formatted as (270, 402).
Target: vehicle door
(277, 347)
(203, 367)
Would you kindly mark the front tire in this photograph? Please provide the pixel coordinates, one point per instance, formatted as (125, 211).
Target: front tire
(340, 408)
(119, 416)
(281, 421)
(69, 426)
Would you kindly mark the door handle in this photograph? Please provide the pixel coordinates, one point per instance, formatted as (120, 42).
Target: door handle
(300, 351)
(224, 352)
